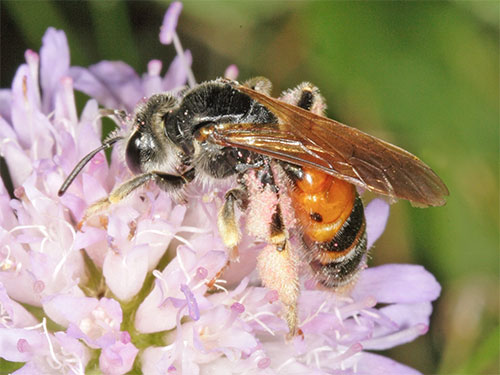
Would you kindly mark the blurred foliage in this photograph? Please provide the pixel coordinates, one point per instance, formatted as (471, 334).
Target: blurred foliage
(422, 75)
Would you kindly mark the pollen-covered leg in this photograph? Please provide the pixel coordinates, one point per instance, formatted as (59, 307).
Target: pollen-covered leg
(279, 271)
(167, 182)
(278, 268)
(226, 222)
(115, 196)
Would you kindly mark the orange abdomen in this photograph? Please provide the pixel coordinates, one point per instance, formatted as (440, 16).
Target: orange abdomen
(322, 203)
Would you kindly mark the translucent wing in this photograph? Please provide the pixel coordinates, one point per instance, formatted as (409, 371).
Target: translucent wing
(306, 139)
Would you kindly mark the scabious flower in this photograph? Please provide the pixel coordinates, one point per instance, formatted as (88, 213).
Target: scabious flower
(130, 293)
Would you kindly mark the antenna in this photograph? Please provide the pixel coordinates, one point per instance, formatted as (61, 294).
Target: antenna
(82, 163)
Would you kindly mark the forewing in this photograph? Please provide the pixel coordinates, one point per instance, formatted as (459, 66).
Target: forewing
(303, 138)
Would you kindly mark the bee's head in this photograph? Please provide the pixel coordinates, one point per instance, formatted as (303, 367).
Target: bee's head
(148, 149)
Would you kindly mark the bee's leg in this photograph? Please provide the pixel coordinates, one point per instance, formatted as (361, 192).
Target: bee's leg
(278, 268)
(169, 183)
(228, 227)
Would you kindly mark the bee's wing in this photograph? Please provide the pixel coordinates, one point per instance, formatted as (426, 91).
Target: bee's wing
(306, 139)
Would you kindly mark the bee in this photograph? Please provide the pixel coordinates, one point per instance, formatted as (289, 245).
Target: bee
(296, 172)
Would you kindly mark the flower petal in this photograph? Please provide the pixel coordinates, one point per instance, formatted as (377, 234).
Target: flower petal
(113, 83)
(125, 273)
(397, 283)
(374, 364)
(54, 64)
(376, 215)
(177, 73)
(118, 358)
(19, 345)
(412, 321)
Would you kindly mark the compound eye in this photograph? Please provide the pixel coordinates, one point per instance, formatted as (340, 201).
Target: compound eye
(133, 153)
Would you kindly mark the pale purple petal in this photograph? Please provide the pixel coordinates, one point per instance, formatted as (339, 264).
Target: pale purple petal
(14, 314)
(113, 83)
(19, 163)
(89, 237)
(54, 64)
(7, 216)
(24, 104)
(155, 361)
(239, 339)
(74, 350)
(64, 102)
(397, 283)
(412, 321)
(19, 345)
(30, 368)
(374, 364)
(118, 358)
(376, 214)
(125, 273)
(7, 307)
(61, 308)
(165, 315)
(177, 73)
(5, 104)
(33, 61)
(6, 131)
(170, 22)
(93, 188)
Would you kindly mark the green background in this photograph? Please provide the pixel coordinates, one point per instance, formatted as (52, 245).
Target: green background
(422, 75)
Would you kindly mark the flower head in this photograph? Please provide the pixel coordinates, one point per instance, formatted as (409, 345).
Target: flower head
(143, 286)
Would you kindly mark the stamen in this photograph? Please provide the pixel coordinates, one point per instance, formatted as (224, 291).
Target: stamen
(410, 332)
(163, 282)
(6, 263)
(180, 52)
(352, 350)
(60, 265)
(193, 230)
(314, 315)
(356, 319)
(353, 308)
(183, 268)
(286, 363)
(260, 322)
(49, 341)
(315, 354)
(41, 228)
(219, 287)
(192, 305)
(165, 234)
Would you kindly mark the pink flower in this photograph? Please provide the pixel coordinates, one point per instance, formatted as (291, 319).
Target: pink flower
(131, 288)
